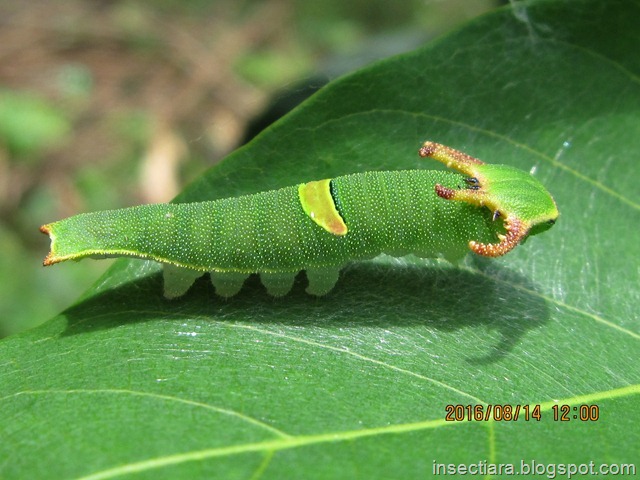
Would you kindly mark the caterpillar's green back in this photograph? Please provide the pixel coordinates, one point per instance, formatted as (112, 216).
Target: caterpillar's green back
(318, 226)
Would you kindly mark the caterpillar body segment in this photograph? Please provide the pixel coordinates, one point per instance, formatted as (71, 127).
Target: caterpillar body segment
(318, 226)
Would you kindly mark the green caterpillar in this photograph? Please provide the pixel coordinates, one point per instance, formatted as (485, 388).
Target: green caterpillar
(319, 226)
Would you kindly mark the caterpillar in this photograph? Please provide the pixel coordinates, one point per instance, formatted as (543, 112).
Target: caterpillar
(319, 226)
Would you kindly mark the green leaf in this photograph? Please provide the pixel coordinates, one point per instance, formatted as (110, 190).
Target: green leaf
(356, 384)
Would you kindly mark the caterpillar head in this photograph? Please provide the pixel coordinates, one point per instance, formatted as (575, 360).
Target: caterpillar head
(525, 206)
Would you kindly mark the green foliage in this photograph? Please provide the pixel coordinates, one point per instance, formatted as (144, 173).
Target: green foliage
(29, 124)
(355, 385)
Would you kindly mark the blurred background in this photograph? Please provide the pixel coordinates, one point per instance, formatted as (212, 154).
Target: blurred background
(112, 103)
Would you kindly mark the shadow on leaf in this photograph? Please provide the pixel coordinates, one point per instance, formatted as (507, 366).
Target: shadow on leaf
(368, 295)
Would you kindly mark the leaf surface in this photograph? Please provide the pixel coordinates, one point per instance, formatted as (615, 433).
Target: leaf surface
(126, 384)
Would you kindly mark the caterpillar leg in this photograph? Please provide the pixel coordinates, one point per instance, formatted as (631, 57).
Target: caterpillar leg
(278, 284)
(178, 280)
(322, 280)
(227, 284)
